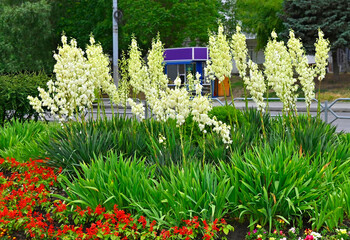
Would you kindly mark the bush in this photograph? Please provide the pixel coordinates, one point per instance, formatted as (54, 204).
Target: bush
(19, 140)
(14, 90)
(281, 183)
(77, 143)
(134, 185)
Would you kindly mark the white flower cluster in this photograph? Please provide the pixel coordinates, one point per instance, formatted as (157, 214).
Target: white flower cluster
(220, 63)
(161, 139)
(240, 51)
(74, 88)
(137, 108)
(256, 85)
(255, 81)
(99, 70)
(300, 63)
(137, 70)
(170, 103)
(155, 61)
(321, 56)
(279, 72)
(123, 83)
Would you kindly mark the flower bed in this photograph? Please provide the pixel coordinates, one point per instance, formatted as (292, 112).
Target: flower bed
(27, 209)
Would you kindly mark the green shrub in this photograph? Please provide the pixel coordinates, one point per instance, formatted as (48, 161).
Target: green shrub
(313, 135)
(14, 90)
(282, 183)
(76, 143)
(226, 114)
(132, 184)
(19, 140)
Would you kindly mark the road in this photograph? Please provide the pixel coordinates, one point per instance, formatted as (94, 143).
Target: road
(339, 108)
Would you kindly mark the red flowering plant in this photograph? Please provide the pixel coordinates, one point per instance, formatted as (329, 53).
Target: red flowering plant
(27, 205)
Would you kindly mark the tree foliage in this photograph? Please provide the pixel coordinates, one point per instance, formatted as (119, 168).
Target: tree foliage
(26, 36)
(260, 17)
(176, 21)
(305, 17)
(30, 30)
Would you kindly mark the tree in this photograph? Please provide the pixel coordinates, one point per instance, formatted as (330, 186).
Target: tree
(26, 36)
(80, 18)
(260, 17)
(176, 21)
(305, 17)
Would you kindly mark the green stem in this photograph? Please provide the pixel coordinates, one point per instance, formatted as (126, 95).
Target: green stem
(182, 147)
(223, 85)
(112, 107)
(233, 105)
(231, 93)
(262, 125)
(319, 101)
(203, 149)
(267, 97)
(245, 97)
(191, 131)
(92, 112)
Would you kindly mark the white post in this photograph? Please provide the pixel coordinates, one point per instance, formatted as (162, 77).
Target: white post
(115, 42)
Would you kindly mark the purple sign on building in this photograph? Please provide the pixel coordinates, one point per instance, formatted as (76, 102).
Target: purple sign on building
(186, 54)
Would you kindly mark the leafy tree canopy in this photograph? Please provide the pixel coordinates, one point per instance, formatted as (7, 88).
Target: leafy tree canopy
(176, 21)
(260, 17)
(26, 36)
(331, 16)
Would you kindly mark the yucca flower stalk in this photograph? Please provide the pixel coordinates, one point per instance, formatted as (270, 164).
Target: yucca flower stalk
(240, 55)
(322, 49)
(220, 63)
(255, 83)
(77, 78)
(123, 84)
(279, 73)
(305, 72)
(169, 103)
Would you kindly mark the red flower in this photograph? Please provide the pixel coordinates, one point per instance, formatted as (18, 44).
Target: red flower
(309, 237)
(60, 207)
(207, 236)
(143, 221)
(99, 210)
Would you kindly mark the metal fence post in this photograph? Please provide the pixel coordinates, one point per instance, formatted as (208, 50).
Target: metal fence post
(326, 111)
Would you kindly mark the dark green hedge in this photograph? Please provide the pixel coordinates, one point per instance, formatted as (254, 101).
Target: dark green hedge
(14, 90)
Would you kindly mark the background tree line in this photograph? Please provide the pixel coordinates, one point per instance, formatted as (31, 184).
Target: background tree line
(30, 30)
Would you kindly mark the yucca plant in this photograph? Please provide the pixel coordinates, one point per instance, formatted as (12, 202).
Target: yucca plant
(15, 132)
(109, 181)
(19, 139)
(76, 143)
(134, 185)
(313, 135)
(280, 183)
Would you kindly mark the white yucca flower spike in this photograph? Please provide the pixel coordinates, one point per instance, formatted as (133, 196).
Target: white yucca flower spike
(77, 78)
(240, 51)
(156, 65)
(137, 70)
(321, 55)
(220, 63)
(256, 85)
(300, 63)
(279, 72)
